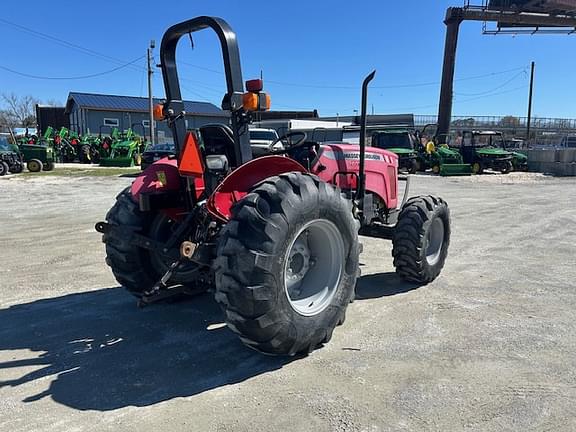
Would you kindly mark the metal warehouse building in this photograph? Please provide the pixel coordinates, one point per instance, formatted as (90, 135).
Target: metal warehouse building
(93, 112)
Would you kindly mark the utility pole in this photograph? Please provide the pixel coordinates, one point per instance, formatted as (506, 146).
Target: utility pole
(150, 95)
(528, 123)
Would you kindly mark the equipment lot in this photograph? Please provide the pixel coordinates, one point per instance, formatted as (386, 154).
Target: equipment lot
(488, 346)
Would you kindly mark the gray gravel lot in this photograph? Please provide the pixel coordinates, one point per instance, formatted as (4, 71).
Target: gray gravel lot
(489, 346)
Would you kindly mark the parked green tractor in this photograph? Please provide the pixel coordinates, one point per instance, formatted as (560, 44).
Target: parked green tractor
(37, 157)
(483, 150)
(402, 142)
(10, 158)
(125, 150)
(90, 149)
(66, 145)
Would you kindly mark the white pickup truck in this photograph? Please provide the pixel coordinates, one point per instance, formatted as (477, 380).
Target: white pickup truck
(262, 139)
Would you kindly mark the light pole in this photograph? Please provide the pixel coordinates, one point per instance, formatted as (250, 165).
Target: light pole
(150, 95)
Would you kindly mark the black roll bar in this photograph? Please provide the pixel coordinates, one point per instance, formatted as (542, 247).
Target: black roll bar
(235, 86)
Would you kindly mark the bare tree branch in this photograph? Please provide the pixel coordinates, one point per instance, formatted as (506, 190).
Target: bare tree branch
(20, 110)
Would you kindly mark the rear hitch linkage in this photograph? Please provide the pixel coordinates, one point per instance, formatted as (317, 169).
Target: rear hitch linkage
(161, 290)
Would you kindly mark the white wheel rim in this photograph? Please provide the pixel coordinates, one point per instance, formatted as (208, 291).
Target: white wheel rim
(435, 241)
(313, 267)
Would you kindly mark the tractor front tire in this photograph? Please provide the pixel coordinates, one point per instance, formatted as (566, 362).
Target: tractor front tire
(84, 154)
(421, 239)
(95, 156)
(138, 269)
(478, 168)
(413, 167)
(17, 168)
(34, 165)
(507, 168)
(3, 168)
(48, 166)
(287, 264)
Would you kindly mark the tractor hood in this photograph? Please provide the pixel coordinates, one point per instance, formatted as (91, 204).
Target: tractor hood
(447, 152)
(402, 151)
(520, 157)
(125, 144)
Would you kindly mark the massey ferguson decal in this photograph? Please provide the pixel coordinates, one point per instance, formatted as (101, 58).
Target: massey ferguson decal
(355, 156)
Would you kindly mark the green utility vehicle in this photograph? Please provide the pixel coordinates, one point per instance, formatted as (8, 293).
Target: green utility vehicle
(402, 142)
(483, 150)
(519, 160)
(10, 158)
(125, 150)
(443, 161)
(440, 158)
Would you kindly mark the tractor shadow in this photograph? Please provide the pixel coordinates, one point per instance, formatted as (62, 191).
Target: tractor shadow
(101, 353)
(379, 285)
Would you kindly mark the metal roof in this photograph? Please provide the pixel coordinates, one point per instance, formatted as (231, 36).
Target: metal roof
(102, 102)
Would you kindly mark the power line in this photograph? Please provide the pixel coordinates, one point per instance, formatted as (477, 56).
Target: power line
(494, 89)
(460, 101)
(64, 43)
(491, 95)
(74, 77)
(350, 87)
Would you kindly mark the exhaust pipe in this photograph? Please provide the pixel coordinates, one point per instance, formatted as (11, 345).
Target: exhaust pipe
(363, 126)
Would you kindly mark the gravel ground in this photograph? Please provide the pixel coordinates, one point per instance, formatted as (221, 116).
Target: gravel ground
(488, 346)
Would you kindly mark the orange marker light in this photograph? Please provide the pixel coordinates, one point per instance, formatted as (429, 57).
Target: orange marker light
(250, 101)
(268, 103)
(158, 112)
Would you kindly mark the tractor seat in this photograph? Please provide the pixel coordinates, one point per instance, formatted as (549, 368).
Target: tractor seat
(218, 141)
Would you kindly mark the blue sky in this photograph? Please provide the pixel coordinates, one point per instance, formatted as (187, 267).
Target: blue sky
(312, 54)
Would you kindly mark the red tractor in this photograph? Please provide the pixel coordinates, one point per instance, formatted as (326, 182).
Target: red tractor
(275, 237)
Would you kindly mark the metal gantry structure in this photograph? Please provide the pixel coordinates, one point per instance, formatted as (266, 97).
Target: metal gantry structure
(510, 16)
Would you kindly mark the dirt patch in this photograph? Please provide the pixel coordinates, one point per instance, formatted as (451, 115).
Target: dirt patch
(488, 346)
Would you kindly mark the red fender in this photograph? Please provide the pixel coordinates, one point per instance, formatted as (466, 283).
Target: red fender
(242, 180)
(161, 176)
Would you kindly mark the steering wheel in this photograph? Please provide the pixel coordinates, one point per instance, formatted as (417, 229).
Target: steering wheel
(299, 143)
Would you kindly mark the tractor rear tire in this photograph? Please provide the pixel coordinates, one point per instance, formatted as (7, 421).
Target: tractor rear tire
(287, 264)
(413, 167)
(3, 168)
(134, 268)
(34, 165)
(421, 239)
(48, 166)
